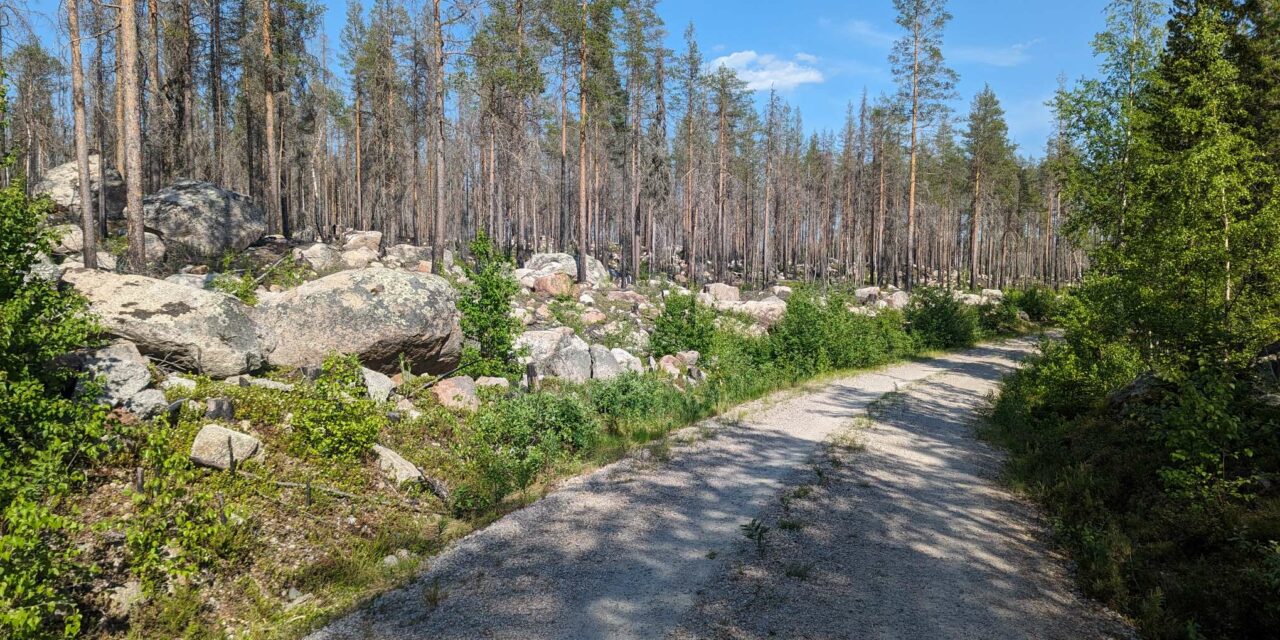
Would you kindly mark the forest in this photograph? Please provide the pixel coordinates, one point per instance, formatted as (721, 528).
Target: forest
(550, 126)
(303, 338)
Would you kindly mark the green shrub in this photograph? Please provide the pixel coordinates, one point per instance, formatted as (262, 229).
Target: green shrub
(334, 416)
(999, 319)
(939, 321)
(1037, 300)
(506, 445)
(48, 435)
(684, 325)
(635, 398)
(485, 304)
(815, 336)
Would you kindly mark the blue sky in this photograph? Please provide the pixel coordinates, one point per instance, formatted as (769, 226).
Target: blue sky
(821, 53)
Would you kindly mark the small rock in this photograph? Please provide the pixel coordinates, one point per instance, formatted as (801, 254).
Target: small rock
(379, 385)
(219, 409)
(147, 403)
(489, 381)
(593, 317)
(124, 598)
(370, 240)
(215, 445)
(689, 358)
(457, 393)
(395, 467)
(556, 284)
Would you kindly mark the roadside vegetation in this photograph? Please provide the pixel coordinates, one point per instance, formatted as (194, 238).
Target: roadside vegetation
(106, 513)
(1150, 431)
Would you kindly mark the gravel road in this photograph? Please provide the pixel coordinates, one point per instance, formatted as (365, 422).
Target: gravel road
(907, 537)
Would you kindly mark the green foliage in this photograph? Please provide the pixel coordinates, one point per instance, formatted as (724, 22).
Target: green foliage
(240, 286)
(48, 435)
(815, 336)
(334, 416)
(684, 325)
(756, 532)
(939, 321)
(240, 277)
(506, 445)
(486, 311)
(178, 530)
(1039, 302)
(999, 319)
(635, 398)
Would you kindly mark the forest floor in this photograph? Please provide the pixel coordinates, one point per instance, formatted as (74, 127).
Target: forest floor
(877, 515)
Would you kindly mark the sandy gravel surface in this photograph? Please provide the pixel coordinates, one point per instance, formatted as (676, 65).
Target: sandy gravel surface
(917, 542)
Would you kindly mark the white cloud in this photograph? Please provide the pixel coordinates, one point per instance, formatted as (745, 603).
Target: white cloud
(766, 71)
(1010, 56)
(868, 33)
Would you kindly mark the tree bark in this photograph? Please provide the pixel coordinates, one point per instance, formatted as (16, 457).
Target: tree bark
(87, 219)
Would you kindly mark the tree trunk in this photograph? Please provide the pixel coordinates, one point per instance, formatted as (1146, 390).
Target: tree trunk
(131, 113)
(275, 217)
(87, 219)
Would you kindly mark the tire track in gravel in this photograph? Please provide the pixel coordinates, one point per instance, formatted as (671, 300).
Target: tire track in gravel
(643, 549)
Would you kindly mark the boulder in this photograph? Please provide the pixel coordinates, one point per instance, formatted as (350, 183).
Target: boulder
(320, 257)
(457, 393)
(722, 292)
(970, 299)
(554, 284)
(215, 446)
(358, 258)
(375, 314)
(603, 365)
(898, 300)
(70, 239)
(632, 297)
(198, 330)
(147, 403)
(371, 240)
(120, 371)
(867, 295)
(408, 254)
(378, 384)
(994, 294)
(395, 467)
(765, 312)
(62, 185)
(489, 381)
(557, 353)
(780, 291)
(690, 358)
(203, 218)
(627, 361)
(671, 365)
(593, 317)
(153, 247)
(542, 264)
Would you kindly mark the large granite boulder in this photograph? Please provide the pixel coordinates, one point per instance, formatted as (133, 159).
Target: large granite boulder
(557, 353)
(376, 314)
(120, 376)
(722, 292)
(204, 218)
(194, 329)
(62, 185)
(320, 257)
(544, 264)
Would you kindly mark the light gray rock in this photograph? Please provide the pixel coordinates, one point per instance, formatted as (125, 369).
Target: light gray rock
(994, 294)
(120, 370)
(215, 445)
(627, 361)
(781, 291)
(320, 257)
(379, 385)
(203, 218)
(62, 185)
(765, 312)
(458, 393)
(407, 254)
(542, 264)
(603, 365)
(43, 268)
(722, 292)
(898, 300)
(193, 280)
(70, 239)
(147, 403)
(395, 467)
(358, 258)
(489, 381)
(375, 314)
(867, 295)
(153, 247)
(204, 331)
(371, 240)
(176, 382)
(557, 353)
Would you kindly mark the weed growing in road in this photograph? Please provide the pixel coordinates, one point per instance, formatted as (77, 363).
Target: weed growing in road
(756, 532)
(433, 595)
(787, 524)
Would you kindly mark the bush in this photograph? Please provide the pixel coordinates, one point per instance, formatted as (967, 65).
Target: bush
(999, 319)
(486, 312)
(48, 435)
(334, 417)
(815, 336)
(635, 398)
(506, 445)
(939, 321)
(684, 325)
(1038, 301)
